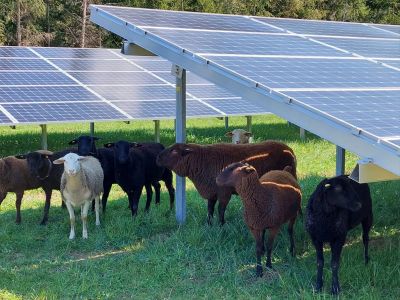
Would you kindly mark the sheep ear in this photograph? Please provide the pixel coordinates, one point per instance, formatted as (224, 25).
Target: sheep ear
(186, 151)
(109, 145)
(249, 170)
(21, 156)
(73, 142)
(59, 161)
(229, 134)
(45, 153)
(82, 158)
(134, 144)
(248, 134)
(327, 185)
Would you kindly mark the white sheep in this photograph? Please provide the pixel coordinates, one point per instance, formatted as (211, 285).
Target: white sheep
(240, 136)
(81, 182)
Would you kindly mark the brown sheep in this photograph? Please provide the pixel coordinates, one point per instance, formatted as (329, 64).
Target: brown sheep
(16, 178)
(202, 164)
(269, 202)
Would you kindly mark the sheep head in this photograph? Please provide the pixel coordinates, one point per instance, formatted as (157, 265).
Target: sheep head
(86, 144)
(235, 173)
(38, 162)
(174, 158)
(121, 150)
(337, 193)
(239, 136)
(71, 163)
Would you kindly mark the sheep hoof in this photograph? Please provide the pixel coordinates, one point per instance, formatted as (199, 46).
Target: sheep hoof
(84, 236)
(44, 222)
(18, 222)
(97, 223)
(335, 289)
(71, 237)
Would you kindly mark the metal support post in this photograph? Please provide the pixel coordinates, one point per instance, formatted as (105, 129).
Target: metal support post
(249, 119)
(91, 129)
(157, 131)
(44, 136)
(180, 203)
(340, 160)
(302, 134)
(226, 122)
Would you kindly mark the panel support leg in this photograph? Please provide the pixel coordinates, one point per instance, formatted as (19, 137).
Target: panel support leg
(249, 119)
(340, 160)
(91, 129)
(302, 134)
(157, 131)
(226, 122)
(180, 203)
(44, 136)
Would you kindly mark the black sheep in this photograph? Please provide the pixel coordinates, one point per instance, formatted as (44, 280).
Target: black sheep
(135, 167)
(337, 205)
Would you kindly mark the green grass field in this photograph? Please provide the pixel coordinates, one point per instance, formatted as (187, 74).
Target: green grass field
(151, 257)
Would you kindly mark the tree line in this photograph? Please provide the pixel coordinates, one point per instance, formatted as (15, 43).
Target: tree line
(65, 22)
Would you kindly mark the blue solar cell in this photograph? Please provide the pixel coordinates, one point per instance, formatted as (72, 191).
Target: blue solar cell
(45, 93)
(94, 53)
(396, 142)
(367, 48)
(164, 109)
(374, 111)
(309, 27)
(393, 63)
(115, 78)
(190, 79)
(236, 106)
(392, 28)
(159, 18)
(63, 112)
(94, 65)
(154, 64)
(311, 73)
(16, 52)
(25, 64)
(4, 119)
(34, 78)
(136, 92)
(208, 91)
(244, 43)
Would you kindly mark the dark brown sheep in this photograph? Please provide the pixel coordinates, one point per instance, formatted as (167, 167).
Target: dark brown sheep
(269, 202)
(16, 178)
(202, 164)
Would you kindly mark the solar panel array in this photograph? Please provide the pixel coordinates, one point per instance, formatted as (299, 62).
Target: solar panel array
(44, 85)
(349, 72)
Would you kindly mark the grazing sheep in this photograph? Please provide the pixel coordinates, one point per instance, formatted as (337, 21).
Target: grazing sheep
(202, 164)
(40, 164)
(240, 136)
(269, 202)
(135, 167)
(16, 178)
(81, 182)
(337, 205)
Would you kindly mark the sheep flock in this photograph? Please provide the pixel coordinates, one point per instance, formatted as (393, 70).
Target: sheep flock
(262, 174)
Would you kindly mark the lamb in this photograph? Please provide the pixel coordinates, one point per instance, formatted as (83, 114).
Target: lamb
(202, 164)
(40, 165)
(16, 178)
(337, 205)
(81, 182)
(135, 167)
(269, 202)
(240, 136)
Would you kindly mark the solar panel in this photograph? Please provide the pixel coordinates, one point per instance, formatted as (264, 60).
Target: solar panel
(16, 52)
(116, 65)
(4, 119)
(34, 78)
(391, 28)
(115, 78)
(76, 53)
(136, 92)
(393, 63)
(25, 64)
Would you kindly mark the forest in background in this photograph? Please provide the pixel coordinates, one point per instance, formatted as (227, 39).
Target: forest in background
(66, 23)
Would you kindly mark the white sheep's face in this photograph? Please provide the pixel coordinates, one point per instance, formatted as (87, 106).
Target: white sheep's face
(71, 161)
(239, 136)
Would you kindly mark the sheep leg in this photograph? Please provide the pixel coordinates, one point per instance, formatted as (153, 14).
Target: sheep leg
(260, 250)
(223, 203)
(104, 198)
(366, 226)
(46, 207)
(149, 195)
(320, 264)
(19, 196)
(97, 209)
(336, 248)
(271, 237)
(211, 206)
(134, 197)
(167, 178)
(71, 219)
(157, 188)
(290, 231)
(84, 213)
(2, 197)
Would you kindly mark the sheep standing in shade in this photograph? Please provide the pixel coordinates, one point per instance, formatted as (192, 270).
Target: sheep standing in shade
(240, 136)
(337, 205)
(269, 202)
(81, 182)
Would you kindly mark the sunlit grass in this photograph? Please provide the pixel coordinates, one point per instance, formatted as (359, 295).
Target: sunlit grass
(151, 257)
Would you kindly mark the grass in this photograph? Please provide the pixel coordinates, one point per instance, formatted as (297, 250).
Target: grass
(151, 257)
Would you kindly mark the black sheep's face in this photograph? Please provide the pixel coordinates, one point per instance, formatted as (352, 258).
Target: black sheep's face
(172, 156)
(341, 195)
(37, 162)
(234, 173)
(121, 150)
(86, 144)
